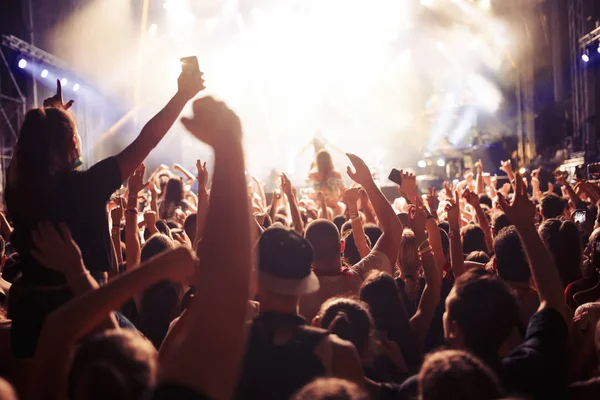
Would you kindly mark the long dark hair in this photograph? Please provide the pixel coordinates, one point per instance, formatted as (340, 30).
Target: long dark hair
(46, 147)
(380, 292)
(324, 164)
(349, 319)
(174, 195)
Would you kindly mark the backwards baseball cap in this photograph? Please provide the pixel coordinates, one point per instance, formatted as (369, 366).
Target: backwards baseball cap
(285, 260)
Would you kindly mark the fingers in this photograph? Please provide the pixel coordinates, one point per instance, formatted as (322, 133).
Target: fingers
(502, 202)
(350, 173)
(456, 197)
(59, 90)
(65, 232)
(69, 104)
(519, 186)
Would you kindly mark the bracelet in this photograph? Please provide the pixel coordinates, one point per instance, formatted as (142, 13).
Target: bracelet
(453, 233)
(424, 244)
(132, 210)
(353, 215)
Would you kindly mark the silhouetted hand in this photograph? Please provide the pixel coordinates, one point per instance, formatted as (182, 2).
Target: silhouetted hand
(214, 123)
(56, 101)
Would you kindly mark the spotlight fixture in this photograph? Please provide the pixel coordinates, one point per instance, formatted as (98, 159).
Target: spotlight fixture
(422, 163)
(76, 87)
(441, 162)
(44, 73)
(586, 56)
(64, 81)
(22, 63)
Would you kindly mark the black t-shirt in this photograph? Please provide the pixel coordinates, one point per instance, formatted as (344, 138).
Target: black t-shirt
(80, 201)
(536, 368)
(172, 391)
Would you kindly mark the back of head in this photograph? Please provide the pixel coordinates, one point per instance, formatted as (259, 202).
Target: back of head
(349, 319)
(373, 231)
(484, 308)
(189, 226)
(499, 221)
(331, 389)
(339, 221)
(174, 191)
(485, 199)
(351, 254)
(511, 260)
(157, 244)
(563, 240)
(409, 255)
(552, 206)
(478, 256)
(473, 238)
(324, 238)
(6, 391)
(456, 374)
(115, 364)
(46, 146)
(380, 292)
(324, 163)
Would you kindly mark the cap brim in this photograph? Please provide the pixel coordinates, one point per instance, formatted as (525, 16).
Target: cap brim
(291, 287)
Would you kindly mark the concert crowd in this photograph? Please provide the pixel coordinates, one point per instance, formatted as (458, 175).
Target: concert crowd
(184, 285)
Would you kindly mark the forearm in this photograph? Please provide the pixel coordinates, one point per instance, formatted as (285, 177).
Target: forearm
(188, 175)
(324, 210)
(116, 241)
(435, 241)
(151, 134)
(230, 274)
(203, 200)
(479, 183)
(368, 212)
(357, 231)
(273, 209)
(543, 269)
(457, 258)
(573, 196)
(296, 216)
(388, 221)
(5, 227)
(154, 200)
(132, 240)
(485, 226)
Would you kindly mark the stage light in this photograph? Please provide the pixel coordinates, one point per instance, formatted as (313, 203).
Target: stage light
(585, 56)
(22, 63)
(598, 49)
(441, 162)
(522, 170)
(64, 81)
(422, 163)
(76, 87)
(44, 73)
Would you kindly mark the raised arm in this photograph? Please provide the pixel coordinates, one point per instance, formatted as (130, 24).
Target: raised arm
(73, 321)
(189, 84)
(473, 200)
(389, 242)
(203, 199)
(351, 197)
(219, 344)
(457, 259)
(543, 269)
(286, 187)
(506, 166)
(430, 298)
(5, 227)
(365, 204)
(479, 177)
(132, 234)
(188, 175)
(116, 215)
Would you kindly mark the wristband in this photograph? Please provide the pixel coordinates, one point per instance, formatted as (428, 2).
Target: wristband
(425, 250)
(132, 210)
(453, 233)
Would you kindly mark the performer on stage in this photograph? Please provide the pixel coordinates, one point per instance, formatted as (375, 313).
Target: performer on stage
(327, 180)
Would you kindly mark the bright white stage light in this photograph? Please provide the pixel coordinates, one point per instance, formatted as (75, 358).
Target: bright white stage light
(76, 87)
(598, 49)
(64, 81)
(22, 63)
(44, 73)
(585, 57)
(422, 163)
(441, 162)
(487, 4)
(522, 170)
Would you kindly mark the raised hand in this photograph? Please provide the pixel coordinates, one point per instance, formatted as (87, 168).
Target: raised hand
(136, 181)
(351, 196)
(479, 167)
(418, 217)
(362, 173)
(150, 218)
(432, 201)
(506, 166)
(190, 83)
(453, 212)
(57, 251)
(522, 210)
(214, 123)
(202, 173)
(448, 190)
(408, 189)
(321, 198)
(286, 185)
(471, 198)
(56, 101)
